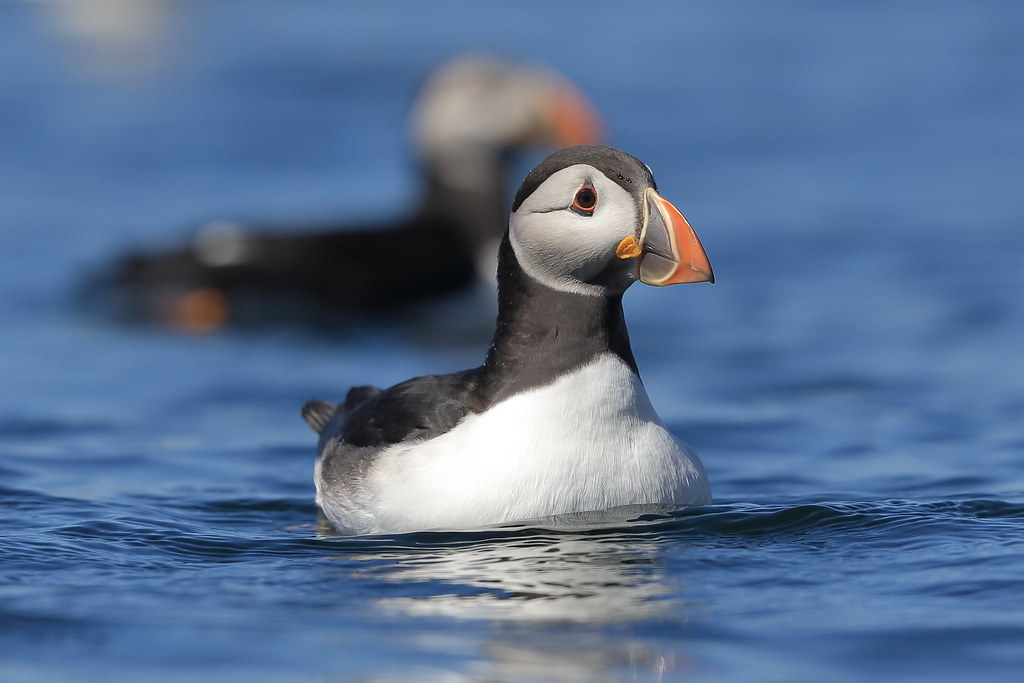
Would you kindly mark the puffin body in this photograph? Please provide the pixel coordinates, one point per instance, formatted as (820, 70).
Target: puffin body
(471, 119)
(556, 420)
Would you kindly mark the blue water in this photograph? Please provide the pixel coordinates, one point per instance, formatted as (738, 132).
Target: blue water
(854, 381)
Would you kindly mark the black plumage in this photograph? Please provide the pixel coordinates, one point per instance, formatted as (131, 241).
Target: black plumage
(376, 269)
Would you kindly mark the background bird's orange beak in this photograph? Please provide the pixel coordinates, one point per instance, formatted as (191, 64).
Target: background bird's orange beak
(570, 118)
(670, 254)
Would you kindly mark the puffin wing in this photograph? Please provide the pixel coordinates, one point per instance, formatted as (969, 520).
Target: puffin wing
(420, 408)
(319, 413)
(325, 263)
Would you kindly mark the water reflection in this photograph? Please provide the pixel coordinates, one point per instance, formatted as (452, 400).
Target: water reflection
(544, 578)
(550, 656)
(552, 604)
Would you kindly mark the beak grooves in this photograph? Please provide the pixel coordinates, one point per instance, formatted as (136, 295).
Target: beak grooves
(672, 253)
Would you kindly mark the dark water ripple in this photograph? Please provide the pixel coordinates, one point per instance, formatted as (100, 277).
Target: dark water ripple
(217, 528)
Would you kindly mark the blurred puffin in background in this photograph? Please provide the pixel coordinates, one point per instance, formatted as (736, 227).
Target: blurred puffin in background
(472, 117)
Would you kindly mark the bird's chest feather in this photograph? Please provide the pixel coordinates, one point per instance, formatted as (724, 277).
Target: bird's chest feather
(589, 441)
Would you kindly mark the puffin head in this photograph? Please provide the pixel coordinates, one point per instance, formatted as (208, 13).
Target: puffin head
(589, 220)
(477, 107)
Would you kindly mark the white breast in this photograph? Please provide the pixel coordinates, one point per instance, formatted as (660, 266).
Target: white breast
(590, 441)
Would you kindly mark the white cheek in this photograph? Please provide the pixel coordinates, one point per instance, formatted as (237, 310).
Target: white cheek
(615, 220)
(558, 257)
(598, 237)
(563, 249)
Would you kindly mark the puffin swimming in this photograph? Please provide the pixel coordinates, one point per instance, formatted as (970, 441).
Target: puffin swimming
(556, 420)
(471, 119)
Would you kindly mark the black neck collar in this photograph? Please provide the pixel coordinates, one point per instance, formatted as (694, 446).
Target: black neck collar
(543, 333)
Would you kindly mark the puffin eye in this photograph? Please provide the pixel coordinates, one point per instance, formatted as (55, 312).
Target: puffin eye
(585, 200)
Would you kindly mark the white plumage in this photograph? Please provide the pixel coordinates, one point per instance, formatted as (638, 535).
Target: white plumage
(589, 441)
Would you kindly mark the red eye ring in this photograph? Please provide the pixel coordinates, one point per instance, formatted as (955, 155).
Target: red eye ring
(585, 200)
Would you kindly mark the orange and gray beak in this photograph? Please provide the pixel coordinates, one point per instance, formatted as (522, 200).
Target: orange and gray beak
(669, 251)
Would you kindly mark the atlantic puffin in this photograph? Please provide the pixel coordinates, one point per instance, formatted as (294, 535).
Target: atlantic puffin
(470, 121)
(556, 420)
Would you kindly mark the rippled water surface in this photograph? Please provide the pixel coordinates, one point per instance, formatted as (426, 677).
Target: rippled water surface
(854, 381)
